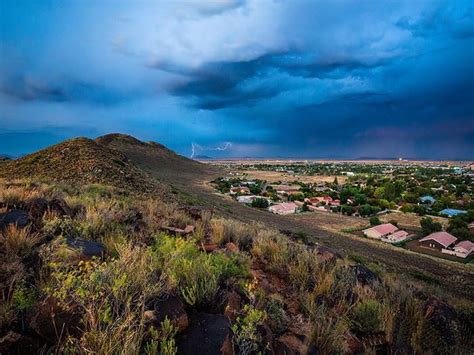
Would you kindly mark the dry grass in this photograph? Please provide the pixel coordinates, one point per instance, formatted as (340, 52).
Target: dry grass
(18, 241)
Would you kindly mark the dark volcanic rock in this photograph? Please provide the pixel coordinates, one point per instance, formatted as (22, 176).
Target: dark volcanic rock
(60, 207)
(52, 322)
(87, 248)
(37, 207)
(364, 275)
(328, 255)
(19, 218)
(206, 334)
(173, 309)
(14, 343)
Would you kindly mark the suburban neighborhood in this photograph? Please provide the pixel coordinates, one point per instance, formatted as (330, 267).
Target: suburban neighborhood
(429, 192)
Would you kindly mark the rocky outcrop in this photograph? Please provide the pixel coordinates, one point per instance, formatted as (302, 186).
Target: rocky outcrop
(206, 334)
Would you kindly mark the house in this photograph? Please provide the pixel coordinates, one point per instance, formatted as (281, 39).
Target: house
(427, 199)
(438, 240)
(285, 189)
(246, 198)
(380, 231)
(239, 190)
(284, 208)
(451, 212)
(464, 249)
(396, 237)
(471, 227)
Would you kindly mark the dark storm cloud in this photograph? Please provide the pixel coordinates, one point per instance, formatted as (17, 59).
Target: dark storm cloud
(218, 85)
(26, 89)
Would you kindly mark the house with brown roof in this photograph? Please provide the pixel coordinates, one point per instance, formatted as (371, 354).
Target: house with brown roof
(438, 240)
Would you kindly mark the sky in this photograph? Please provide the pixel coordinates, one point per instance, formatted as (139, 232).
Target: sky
(242, 78)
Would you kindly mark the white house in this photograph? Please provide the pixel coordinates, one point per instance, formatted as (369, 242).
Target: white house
(380, 231)
(284, 208)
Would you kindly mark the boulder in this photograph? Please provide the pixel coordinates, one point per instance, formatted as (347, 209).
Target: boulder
(171, 308)
(442, 318)
(37, 207)
(178, 231)
(189, 229)
(19, 218)
(60, 207)
(232, 308)
(53, 323)
(14, 343)
(364, 275)
(87, 248)
(328, 255)
(209, 247)
(231, 248)
(206, 334)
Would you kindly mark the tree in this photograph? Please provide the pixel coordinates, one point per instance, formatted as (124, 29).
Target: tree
(335, 182)
(260, 203)
(374, 221)
(429, 226)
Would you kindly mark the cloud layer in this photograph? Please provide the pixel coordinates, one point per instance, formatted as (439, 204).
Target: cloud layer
(264, 78)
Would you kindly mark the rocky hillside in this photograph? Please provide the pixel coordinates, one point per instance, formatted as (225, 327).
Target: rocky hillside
(81, 161)
(153, 157)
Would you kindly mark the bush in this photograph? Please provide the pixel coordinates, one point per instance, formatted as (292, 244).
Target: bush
(260, 203)
(429, 226)
(278, 319)
(374, 221)
(366, 316)
(246, 335)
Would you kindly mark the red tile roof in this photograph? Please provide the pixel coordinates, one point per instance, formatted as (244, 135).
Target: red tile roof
(466, 245)
(443, 238)
(385, 228)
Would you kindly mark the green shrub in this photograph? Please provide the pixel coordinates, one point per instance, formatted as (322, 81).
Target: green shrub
(374, 221)
(277, 316)
(246, 335)
(260, 203)
(366, 316)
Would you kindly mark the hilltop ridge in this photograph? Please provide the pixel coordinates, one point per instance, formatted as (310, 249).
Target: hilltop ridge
(153, 157)
(81, 161)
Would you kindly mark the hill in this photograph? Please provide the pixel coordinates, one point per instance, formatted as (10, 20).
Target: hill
(81, 161)
(154, 158)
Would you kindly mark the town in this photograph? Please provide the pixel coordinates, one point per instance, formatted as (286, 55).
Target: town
(438, 196)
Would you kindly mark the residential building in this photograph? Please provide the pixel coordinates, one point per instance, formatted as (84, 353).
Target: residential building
(462, 249)
(239, 190)
(396, 237)
(284, 208)
(438, 240)
(427, 199)
(451, 212)
(246, 198)
(380, 231)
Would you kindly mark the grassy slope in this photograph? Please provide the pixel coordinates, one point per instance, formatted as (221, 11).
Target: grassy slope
(81, 161)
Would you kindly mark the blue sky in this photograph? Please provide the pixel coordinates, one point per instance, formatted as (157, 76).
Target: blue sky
(236, 78)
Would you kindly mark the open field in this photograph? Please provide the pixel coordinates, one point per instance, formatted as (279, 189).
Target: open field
(274, 176)
(410, 220)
